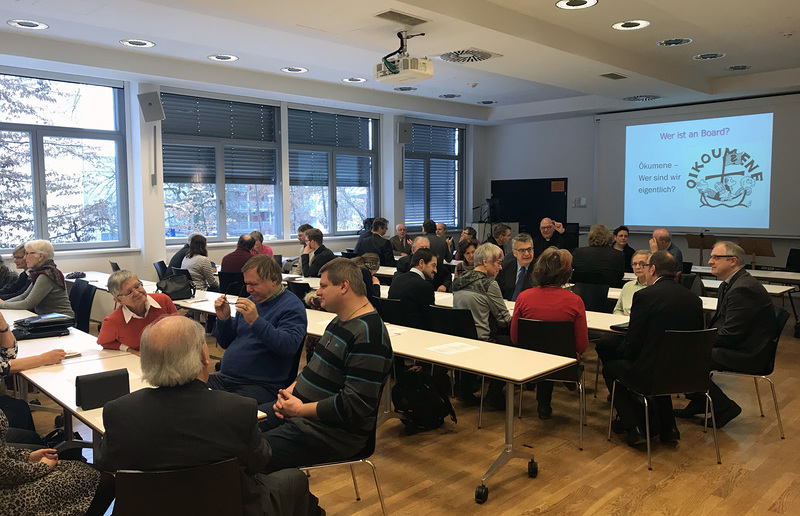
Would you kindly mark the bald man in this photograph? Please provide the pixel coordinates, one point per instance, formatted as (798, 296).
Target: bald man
(662, 241)
(551, 235)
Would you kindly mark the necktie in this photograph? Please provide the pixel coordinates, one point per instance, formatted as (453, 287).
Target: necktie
(518, 286)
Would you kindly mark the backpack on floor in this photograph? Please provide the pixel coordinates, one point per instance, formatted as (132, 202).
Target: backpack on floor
(421, 404)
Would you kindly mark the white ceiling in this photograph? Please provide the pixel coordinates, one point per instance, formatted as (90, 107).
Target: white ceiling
(550, 67)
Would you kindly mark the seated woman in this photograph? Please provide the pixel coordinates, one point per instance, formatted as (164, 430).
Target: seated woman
(7, 275)
(550, 302)
(466, 253)
(260, 248)
(621, 244)
(599, 262)
(199, 266)
(47, 292)
(137, 309)
(21, 283)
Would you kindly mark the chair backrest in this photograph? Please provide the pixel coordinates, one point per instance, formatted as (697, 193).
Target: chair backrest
(348, 254)
(161, 269)
(114, 266)
(298, 288)
(552, 337)
(594, 296)
(228, 281)
(184, 272)
(781, 316)
(693, 282)
(209, 490)
(76, 292)
(392, 311)
(83, 315)
(594, 278)
(686, 267)
(278, 258)
(793, 260)
(453, 321)
(683, 362)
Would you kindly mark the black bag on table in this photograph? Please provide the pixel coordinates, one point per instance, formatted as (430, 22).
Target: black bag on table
(177, 287)
(421, 404)
(40, 326)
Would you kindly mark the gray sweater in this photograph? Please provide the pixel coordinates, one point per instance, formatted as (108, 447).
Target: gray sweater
(202, 272)
(481, 295)
(42, 297)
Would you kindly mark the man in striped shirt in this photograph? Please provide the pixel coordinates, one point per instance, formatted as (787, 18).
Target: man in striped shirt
(329, 413)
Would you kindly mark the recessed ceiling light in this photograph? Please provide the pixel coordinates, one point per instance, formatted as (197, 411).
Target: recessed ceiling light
(642, 98)
(709, 56)
(674, 42)
(223, 57)
(354, 80)
(449, 96)
(575, 4)
(137, 43)
(294, 69)
(631, 25)
(487, 102)
(738, 68)
(405, 88)
(28, 24)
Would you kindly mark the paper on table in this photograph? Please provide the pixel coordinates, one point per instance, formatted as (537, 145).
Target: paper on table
(453, 348)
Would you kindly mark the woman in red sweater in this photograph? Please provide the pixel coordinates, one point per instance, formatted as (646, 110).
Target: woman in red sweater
(137, 309)
(550, 302)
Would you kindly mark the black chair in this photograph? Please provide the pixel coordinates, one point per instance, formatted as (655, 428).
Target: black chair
(682, 364)
(555, 338)
(208, 490)
(184, 272)
(278, 258)
(298, 288)
(793, 260)
(781, 317)
(392, 311)
(348, 254)
(595, 299)
(593, 278)
(114, 266)
(81, 297)
(693, 282)
(161, 269)
(228, 282)
(686, 267)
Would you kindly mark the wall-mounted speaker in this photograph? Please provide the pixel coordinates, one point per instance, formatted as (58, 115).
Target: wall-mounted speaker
(150, 103)
(403, 133)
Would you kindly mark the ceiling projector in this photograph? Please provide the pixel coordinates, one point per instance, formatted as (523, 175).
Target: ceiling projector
(399, 68)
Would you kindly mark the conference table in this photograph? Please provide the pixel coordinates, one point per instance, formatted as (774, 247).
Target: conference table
(775, 276)
(712, 284)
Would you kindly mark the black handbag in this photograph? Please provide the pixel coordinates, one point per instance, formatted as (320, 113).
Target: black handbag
(176, 287)
(95, 390)
(41, 326)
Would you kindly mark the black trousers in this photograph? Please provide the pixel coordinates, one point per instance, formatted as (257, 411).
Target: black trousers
(629, 413)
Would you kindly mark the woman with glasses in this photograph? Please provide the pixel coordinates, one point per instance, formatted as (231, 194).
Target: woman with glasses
(639, 264)
(47, 292)
(137, 309)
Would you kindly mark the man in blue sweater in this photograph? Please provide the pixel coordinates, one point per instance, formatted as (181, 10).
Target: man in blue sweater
(263, 340)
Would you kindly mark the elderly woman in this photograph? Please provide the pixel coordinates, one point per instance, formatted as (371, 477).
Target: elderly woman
(21, 282)
(199, 266)
(47, 292)
(599, 262)
(550, 302)
(260, 248)
(621, 235)
(466, 253)
(137, 309)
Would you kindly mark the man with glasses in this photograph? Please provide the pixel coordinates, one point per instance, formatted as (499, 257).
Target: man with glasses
(745, 322)
(137, 310)
(516, 275)
(551, 235)
(264, 337)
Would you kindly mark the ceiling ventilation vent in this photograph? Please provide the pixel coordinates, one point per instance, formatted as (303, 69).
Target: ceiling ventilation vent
(614, 76)
(469, 55)
(401, 18)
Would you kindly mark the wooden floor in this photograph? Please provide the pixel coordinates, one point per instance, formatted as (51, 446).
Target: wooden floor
(437, 472)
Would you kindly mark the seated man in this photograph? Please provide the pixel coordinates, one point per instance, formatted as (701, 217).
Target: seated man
(500, 236)
(442, 277)
(182, 424)
(663, 305)
(376, 244)
(415, 289)
(295, 266)
(745, 322)
(322, 255)
(263, 340)
(662, 241)
(235, 260)
(551, 236)
(329, 413)
(436, 243)
(516, 274)
(401, 244)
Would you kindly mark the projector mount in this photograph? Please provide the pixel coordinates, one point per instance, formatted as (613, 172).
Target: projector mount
(400, 52)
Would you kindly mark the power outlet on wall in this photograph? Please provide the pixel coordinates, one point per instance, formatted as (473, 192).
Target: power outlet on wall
(579, 202)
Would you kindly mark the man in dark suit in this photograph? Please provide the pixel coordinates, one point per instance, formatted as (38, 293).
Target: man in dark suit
(401, 243)
(551, 235)
(442, 277)
(322, 254)
(500, 236)
(437, 244)
(516, 274)
(745, 322)
(375, 243)
(182, 424)
(415, 290)
(663, 305)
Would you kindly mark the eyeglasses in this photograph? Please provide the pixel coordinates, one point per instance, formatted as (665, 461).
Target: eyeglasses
(524, 251)
(718, 256)
(640, 264)
(136, 287)
(546, 227)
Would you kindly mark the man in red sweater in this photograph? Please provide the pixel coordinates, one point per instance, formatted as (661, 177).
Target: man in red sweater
(235, 260)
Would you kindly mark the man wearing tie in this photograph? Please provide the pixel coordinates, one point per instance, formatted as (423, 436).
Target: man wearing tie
(516, 274)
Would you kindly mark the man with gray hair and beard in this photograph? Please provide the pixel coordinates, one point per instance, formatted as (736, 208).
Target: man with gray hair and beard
(181, 423)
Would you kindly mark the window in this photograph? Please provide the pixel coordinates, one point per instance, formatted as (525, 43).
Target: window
(62, 155)
(433, 165)
(331, 170)
(220, 163)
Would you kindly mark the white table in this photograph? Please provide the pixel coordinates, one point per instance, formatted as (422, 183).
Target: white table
(712, 284)
(775, 276)
(100, 280)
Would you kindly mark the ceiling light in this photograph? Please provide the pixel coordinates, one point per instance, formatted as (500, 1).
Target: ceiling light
(709, 56)
(405, 88)
(27, 24)
(631, 25)
(738, 68)
(575, 4)
(223, 57)
(449, 96)
(294, 69)
(137, 43)
(642, 98)
(487, 102)
(354, 80)
(674, 42)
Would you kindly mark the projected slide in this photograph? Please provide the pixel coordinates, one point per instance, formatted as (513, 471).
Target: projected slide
(700, 173)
